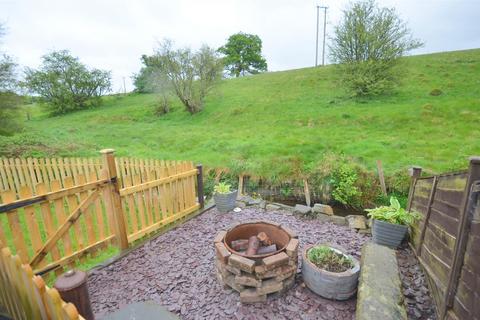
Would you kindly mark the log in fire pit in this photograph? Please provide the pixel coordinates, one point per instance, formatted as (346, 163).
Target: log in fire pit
(256, 259)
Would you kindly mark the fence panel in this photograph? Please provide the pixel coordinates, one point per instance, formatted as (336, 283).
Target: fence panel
(447, 238)
(168, 197)
(25, 296)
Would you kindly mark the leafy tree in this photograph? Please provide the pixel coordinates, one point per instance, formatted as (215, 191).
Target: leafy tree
(9, 100)
(367, 46)
(191, 75)
(243, 54)
(65, 84)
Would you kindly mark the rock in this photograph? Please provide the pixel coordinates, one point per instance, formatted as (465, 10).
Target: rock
(356, 222)
(263, 204)
(301, 209)
(365, 231)
(240, 204)
(248, 200)
(380, 288)
(272, 207)
(341, 221)
(323, 208)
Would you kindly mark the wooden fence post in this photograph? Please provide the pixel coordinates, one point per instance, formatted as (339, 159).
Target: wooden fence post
(415, 173)
(201, 198)
(113, 201)
(466, 211)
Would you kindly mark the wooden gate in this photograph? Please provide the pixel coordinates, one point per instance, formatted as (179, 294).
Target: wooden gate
(53, 225)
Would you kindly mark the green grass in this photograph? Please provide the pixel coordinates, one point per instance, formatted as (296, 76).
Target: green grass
(271, 123)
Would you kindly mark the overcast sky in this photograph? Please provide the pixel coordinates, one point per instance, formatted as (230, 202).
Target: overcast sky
(114, 34)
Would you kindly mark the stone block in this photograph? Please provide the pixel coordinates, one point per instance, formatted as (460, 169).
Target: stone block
(269, 286)
(341, 221)
(240, 204)
(241, 263)
(356, 221)
(292, 248)
(276, 260)
(264, 274)
(286, 275)
(230, 281)
(288, 283)
(380, 288)
(323, 208)
(301, 209)
(220, 236)
(252, 296)
(222, 253)
(263, 204)
(248, 280)
(272, 207)
(234, 270)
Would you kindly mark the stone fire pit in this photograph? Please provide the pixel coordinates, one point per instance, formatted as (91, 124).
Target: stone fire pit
(256, 276)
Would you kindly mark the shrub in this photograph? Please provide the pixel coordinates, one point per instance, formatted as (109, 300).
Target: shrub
(367, 44)
(65, 84)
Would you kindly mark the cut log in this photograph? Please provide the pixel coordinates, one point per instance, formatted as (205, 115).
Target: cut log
(238, 245)
(253, 244)
(269, 249)
(263, 237)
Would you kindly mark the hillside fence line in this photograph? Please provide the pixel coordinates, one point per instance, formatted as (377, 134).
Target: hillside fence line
(58, 211)
(447, 238)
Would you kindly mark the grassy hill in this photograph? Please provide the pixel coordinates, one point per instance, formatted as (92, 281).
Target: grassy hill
(273, 123)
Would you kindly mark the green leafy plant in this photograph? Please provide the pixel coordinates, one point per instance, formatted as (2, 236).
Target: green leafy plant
(393, 214)
(328, 259)
(222, 187)
(345, 191)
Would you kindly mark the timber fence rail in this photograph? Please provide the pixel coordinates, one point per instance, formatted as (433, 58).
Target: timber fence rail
(24, 295)
(447, 238)
(72, 214)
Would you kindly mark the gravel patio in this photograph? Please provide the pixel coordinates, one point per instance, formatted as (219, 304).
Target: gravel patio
(177, 271)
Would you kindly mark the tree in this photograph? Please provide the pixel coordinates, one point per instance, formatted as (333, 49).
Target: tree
(191, 75)
(9, 100)
(243, 54)
(65, 84)
(367, 45)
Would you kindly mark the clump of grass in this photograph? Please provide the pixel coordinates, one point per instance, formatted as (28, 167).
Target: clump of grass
(436, 92)
(328, 259)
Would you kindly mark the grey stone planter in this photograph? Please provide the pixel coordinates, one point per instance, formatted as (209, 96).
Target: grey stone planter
(330, 285)
(388, 234)
(225, 201)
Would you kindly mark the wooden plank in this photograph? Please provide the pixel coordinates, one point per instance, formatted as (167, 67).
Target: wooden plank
(98, 212)
(130, 206)
(71, 220)
(15, 227)
(3, 177)
(427, 216)
(21, 177)
(162, 223)
(16, 178)
(81, 219)
(31, 219)
(59, 205)
(11, 181)
(56, 171)
(139, 203)
(48, 221)
(51, 175)
(33, 174)
(38, 170)
(25, 172)
(72, 202)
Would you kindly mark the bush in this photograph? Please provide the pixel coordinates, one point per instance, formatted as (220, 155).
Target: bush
(65, 84)
(367, 44)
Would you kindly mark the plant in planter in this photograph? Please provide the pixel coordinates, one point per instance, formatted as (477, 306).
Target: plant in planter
(329, 272)
(390, 223)
(224, 198)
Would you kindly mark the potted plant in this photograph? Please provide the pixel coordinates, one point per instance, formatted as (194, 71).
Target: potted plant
(224, 198)
(390, 223)
(329, 272)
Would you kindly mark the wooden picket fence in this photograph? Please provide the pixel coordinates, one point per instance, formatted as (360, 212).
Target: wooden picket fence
(25, 295)
(71, 214)
(16, 173)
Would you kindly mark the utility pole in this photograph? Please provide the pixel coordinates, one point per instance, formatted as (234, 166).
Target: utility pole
(124, 87)
(324, 34)
(316, 37)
